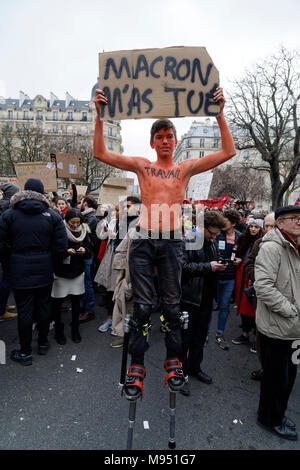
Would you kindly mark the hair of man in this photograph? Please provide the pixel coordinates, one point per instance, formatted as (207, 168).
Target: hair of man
(90, 201)
(162, 124)
(232, 215)
(214, 218)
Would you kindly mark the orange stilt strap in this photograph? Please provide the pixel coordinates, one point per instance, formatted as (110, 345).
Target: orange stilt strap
(174, 369)
(132, 377)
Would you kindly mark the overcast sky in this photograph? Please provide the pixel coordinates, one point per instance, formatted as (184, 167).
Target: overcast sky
(53, 45)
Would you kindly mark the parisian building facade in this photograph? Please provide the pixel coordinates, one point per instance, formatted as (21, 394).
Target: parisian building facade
(204, 138)
(67, 124)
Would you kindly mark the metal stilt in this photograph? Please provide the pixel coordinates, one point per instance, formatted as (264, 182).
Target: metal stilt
(172, 442)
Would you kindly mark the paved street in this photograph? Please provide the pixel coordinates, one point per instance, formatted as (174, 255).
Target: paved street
(60, 403)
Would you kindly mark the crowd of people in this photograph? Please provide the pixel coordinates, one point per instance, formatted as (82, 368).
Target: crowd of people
(58, 247)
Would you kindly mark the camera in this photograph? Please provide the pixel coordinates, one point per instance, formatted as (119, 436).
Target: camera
(221, 260)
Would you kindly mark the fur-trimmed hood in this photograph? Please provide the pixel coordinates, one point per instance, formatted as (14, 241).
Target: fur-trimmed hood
(29, 201)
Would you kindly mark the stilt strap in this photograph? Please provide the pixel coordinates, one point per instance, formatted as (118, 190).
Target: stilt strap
(133, 377)
(174, 369)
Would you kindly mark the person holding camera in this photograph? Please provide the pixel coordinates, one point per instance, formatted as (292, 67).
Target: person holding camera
(245, 307)
(69, 275)
(227, 242)
(200, 270)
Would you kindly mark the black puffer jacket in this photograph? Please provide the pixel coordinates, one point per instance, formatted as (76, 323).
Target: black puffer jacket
(32, 238)
(196, 270)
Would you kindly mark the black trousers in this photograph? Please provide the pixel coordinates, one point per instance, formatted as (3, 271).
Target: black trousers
(56, 309)
(197, 333)
(33, 304)
(278, 378)
(248, 323)
(166, 255)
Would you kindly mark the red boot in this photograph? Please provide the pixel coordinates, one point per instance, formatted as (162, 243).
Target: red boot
(175, 377)
(133, 387)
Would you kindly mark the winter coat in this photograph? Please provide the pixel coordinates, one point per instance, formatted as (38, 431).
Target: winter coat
(196, 269)
(226, 253)
(250, 263)
(32, 237)
(123, 291)
(244, 306)
(8, 190)
(277, 286)
(90, 219)
(73, 265)
(106, 276)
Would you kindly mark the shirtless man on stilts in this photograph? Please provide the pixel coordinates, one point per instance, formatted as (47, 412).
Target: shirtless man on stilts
(158, 242)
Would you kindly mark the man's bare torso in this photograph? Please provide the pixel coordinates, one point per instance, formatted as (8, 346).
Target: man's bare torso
(162, 193)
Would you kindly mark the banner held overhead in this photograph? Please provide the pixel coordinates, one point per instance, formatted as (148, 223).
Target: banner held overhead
(157, 83)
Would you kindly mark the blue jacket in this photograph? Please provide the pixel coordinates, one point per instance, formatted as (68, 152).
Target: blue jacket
(32, 238)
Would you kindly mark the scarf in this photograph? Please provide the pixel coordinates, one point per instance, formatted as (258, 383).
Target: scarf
(81, 229)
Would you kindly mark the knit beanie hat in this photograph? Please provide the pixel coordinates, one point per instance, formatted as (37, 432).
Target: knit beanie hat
(258, 222)
(34, 184)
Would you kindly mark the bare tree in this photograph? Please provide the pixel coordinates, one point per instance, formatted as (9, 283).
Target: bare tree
(239, 183)
(7, 151)
(32, 145)
(94, 172)
(264, 107)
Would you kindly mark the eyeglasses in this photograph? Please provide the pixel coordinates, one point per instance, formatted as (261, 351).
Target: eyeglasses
(293, 219)
(213, 234)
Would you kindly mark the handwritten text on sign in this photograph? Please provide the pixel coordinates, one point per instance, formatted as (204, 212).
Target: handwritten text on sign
(151, 83)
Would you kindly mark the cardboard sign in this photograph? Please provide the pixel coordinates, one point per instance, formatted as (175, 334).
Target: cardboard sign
(41, 170)
(81, 189)
(157, 83)
(202, 185)
(69, 165)
(115, 189)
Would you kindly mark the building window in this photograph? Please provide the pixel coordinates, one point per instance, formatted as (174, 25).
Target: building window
(110, 131)
(189, 144)
(69, 129)
(25, 114)
(39, 115)
(187, 155)
(82, 143)
(10, 114)
(110, 145)
(201, 142)
(216, 143)
(201, 154)
(55, 115)
(54, 128)
(84, 116)
(70, 116)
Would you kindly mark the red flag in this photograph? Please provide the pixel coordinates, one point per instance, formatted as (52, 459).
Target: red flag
(215, 203)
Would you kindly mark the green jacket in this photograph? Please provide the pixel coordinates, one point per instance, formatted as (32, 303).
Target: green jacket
(277, 286)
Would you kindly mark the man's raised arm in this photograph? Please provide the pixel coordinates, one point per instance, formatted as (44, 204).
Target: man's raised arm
(227, 150)
(100, 151)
